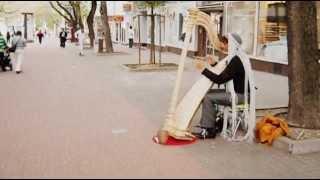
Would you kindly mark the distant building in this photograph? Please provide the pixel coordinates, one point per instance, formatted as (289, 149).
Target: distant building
(261, 24)
(173, 15)
(120, 19)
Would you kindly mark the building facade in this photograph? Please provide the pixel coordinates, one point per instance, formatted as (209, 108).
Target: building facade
(261, 24)
(168, 26)
(120, 19)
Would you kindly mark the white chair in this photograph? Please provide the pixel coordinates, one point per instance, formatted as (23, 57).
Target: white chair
(240, 114)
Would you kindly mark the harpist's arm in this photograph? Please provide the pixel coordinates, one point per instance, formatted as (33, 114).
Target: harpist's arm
(227, 74)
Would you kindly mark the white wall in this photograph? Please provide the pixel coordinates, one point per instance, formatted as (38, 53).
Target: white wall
(172, 24)
(115, 8)
(169, 28)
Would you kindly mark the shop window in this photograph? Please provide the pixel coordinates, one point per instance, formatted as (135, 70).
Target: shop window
(241, 20)
(272, 32)
(172, 27)
(182, 35)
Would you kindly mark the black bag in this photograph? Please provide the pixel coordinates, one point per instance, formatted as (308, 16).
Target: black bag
(13, 48)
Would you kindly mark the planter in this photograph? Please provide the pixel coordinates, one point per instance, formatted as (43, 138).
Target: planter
(150, 67)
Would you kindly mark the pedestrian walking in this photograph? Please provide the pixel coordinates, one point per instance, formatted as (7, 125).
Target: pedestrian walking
(8, 37)
(80, 35)
(40, 36)
(18, 43)
(63, 38)
(131, 34)
(3, 46)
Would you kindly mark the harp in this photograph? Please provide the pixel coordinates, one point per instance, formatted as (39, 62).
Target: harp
(180, 114)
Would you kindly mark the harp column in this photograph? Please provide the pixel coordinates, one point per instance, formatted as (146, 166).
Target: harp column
(189, 24)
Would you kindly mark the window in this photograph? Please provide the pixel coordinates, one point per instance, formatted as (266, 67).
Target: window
(172, 27)
(117, 31)
(241, 20)
(272, 31)
(180, 26)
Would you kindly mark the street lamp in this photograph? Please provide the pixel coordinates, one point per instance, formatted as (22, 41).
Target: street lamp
(26, 14)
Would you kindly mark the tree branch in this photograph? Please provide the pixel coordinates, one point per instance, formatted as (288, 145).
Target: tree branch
(60, 13)
(73, 9)
(65, 10)
(92, 10)
(90, 21)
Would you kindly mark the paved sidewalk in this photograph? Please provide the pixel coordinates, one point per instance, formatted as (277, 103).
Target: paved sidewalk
(78, 117)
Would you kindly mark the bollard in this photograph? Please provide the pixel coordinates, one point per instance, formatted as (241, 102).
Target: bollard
(100, 47)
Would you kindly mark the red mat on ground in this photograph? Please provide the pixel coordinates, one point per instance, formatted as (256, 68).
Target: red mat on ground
(175, 142)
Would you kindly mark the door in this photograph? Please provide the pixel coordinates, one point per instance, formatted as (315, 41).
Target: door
(202, 36)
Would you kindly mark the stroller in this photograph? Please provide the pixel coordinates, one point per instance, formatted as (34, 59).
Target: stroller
(6, 61)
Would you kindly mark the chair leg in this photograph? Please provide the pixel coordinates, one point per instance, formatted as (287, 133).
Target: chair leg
(238, 121)
(224, 132)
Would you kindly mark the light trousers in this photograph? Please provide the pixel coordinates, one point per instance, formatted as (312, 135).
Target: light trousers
(19, 56)
(81, 46)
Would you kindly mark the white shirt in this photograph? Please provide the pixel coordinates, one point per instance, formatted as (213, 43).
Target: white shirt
(131, 33)
(80, 35)
(19, 41)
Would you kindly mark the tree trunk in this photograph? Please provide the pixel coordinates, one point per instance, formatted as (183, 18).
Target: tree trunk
(72, 31)
(90, 20)
(152, 48)
(304, 68)
(107, 35)
(77, 23)
(80, 16)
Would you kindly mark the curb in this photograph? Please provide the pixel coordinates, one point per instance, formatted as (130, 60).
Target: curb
(297, 146)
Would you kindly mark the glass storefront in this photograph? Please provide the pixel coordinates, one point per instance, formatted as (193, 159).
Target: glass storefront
(262, 26)
(272, 31)
(241, 20)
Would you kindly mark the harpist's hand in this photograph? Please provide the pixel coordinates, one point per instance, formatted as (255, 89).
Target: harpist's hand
(211, 61)
(200, 65)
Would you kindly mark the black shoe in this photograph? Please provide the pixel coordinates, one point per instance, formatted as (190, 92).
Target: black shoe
(219, 125)
(18, 72)
(206, 133)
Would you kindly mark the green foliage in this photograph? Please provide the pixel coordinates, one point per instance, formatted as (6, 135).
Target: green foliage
(44, 14)
(85, 8)
(2, 8)
(6, 9)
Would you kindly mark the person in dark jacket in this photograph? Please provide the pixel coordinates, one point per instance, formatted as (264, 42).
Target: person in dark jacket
(63, 38)
(8, 37)
(3, 46)
(40, 36)
(233, 71)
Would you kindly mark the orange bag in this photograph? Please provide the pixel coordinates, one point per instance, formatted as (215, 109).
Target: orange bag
(269, 128)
